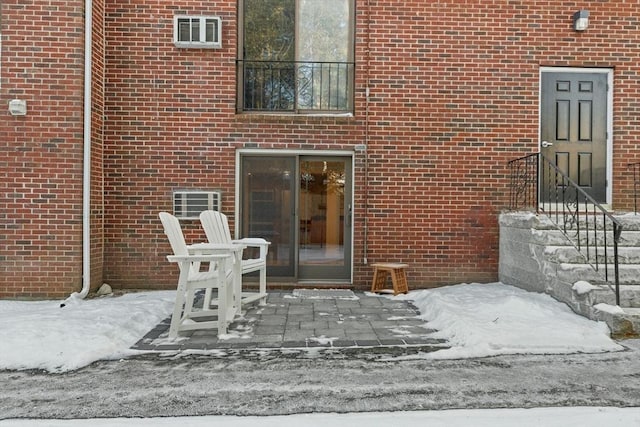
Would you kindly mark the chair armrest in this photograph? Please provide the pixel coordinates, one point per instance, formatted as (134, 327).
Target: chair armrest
(255, 242)
(213, 248)
(252, 241)
(198, 258)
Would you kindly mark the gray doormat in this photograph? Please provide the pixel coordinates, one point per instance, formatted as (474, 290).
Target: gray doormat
(325, 294)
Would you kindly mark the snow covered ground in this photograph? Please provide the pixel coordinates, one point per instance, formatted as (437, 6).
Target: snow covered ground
(538, 417)
(478, 320)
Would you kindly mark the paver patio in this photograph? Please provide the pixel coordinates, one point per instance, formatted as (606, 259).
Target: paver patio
(309, 319)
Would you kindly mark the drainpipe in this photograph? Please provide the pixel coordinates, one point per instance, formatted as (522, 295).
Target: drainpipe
(365, 248)
(86, 178)
(86, 172)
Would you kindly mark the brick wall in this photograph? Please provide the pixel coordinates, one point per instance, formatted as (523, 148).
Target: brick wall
(453, 97)
(97, 151)
(41, 153)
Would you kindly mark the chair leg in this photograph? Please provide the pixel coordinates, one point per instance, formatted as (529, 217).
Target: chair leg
(223, 302)
(206, 305)
(263, 285)
(176, 317)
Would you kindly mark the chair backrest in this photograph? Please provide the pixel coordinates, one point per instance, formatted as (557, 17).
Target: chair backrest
(215, 226)
(174, 233)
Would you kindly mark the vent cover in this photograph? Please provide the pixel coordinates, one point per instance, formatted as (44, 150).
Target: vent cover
(189, 204)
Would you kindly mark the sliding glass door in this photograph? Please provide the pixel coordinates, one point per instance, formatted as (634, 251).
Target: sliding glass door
(303, 205)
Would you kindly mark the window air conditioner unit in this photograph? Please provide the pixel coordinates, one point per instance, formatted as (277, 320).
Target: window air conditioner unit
(191, 31)
(189, 204)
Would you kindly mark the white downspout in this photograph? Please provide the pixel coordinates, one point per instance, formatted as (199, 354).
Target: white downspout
(86, 168)
(86, 179)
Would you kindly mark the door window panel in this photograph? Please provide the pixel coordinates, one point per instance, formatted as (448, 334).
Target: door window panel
(267, 208)
(322, 213)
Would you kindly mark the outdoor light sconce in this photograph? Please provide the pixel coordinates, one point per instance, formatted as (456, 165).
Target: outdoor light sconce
(581, 20)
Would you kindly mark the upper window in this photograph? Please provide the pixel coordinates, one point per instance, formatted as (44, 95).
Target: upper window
(296, 56)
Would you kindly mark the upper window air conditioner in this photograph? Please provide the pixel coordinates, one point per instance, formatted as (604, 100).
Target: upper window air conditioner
(197, 31)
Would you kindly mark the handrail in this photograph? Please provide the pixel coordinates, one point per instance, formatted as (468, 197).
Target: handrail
(636, 184)
(537, 183)
(523, 185)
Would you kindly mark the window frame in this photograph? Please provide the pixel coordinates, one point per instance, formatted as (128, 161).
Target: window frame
(350, 64)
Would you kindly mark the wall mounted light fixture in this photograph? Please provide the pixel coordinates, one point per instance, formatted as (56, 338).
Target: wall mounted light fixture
(581, 20)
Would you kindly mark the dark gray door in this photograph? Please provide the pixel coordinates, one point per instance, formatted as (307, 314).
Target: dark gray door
(574, 128)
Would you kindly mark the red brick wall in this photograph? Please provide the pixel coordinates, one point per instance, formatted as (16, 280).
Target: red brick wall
(97, 137)
(41, 153)
(453, 97)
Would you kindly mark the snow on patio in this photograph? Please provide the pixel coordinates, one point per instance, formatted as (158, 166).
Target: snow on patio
(477, 319)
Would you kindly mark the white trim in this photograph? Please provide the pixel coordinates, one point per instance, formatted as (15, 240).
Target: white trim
(275, 151)
(609, 73)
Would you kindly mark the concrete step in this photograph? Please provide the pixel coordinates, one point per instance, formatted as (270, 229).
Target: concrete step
(624, 324)
(629, 221)
(629, 296)
(571, 273)
(571, 255)
(550, 230)
(599, 303)
(555, 237)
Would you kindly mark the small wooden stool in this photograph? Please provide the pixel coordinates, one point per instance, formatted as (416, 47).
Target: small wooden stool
(382, 270)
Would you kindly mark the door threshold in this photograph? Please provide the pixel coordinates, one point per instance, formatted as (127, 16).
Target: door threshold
(307, 284)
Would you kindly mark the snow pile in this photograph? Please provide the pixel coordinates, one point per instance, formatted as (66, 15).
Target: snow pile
(43, 335)
(608, 308)
(492, 319)
(582, 287)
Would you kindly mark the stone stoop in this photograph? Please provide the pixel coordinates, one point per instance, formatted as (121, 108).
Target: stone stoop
(536, 256)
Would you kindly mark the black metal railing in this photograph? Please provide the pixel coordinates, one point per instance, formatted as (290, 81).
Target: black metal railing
(635, 167)
(538, 184)
(295, 86)
(523, 185)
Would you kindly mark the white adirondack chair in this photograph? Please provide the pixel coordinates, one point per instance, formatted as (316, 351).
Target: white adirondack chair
(216, 227)
(218, 276)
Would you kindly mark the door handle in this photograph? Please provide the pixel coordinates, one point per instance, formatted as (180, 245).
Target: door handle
(546, 144)
(349, 216)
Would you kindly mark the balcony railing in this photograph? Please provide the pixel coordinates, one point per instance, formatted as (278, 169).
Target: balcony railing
(295, 86)
(538, 184)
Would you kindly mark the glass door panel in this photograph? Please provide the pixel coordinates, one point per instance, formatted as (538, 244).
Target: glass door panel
(267, 208)
(324, 218)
